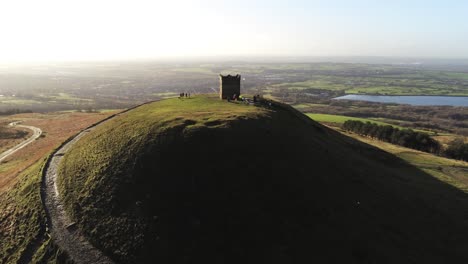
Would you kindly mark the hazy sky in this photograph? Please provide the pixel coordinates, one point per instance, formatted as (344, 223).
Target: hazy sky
(34, 30)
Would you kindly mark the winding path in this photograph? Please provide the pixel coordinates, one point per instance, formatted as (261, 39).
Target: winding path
(62, 229)
(37, 132)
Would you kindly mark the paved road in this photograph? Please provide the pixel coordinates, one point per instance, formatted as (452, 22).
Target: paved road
(37, 132)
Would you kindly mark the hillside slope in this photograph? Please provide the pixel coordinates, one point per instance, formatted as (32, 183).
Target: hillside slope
(202, 180)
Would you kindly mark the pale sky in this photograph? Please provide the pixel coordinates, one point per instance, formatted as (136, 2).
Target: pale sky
(56, 30)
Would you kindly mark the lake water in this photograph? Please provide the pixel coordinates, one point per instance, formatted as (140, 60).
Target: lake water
(411, 100)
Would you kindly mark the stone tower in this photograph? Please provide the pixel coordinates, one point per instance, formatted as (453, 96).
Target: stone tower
(229, 86)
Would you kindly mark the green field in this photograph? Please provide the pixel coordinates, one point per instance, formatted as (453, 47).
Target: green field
(457, 75)
(447, 170)
(325, 82)
(338, 119)
(15, 101)
(306, 105)
(65, 97)
(419, 83)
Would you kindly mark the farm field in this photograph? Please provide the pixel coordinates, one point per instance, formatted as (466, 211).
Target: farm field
(378, 82)
(106, 85)
(339, 119)
(310, 87)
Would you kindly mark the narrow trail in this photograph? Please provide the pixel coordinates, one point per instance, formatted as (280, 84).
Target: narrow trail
(37, 132)
(64, 233)
(62, 229)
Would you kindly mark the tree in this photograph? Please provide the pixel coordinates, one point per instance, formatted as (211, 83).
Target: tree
(406, 137)
(457, 149)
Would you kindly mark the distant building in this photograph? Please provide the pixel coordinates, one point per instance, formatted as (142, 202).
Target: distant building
(229, 86)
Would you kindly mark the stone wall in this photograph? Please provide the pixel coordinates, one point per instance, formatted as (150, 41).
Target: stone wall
(229, 85)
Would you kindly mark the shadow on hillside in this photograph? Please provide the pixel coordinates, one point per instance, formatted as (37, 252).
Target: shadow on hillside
(278, 189)
(402, 214)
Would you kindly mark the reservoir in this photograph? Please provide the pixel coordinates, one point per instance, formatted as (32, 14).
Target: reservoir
(411, 100)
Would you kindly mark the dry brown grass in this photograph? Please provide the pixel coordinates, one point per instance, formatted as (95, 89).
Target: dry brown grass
(56, 128)
(445, 139)
(7, 143)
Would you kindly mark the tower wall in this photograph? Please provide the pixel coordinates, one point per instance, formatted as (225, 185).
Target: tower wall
(229, 86)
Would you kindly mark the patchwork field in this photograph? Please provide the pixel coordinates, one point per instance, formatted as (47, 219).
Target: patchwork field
(380, 82)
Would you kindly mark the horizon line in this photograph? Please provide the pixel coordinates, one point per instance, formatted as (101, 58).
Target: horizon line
(244, 58)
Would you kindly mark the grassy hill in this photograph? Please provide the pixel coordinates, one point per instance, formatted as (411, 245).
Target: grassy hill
(23, 233)
(24, 237)
(206, 181)
(21, 208)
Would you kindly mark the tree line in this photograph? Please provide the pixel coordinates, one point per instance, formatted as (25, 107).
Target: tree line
(457, 149)
(409, 138)
(402, 137)
(14, 111)
(435, 118)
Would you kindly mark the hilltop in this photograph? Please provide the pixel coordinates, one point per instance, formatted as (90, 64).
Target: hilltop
(202, 180)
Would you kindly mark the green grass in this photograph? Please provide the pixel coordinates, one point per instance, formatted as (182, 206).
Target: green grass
(22, 217)
(17, 101)
(8, 164)
(65, 97)
(339, 119)
(457, 75)
(141, 127)
(306, 105)
(453, 172)
(203, 180)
